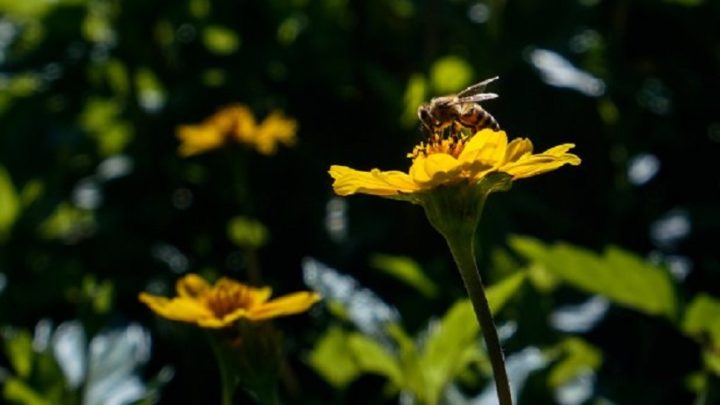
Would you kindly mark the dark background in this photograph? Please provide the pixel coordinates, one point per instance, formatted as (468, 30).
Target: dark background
(342, 69)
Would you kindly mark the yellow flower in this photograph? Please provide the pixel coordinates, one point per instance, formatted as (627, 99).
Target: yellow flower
(237, 122)
(224, 303)
(196, 139)
(275, 129)
(454, 160)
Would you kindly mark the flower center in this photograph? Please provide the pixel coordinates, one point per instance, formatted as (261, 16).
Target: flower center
(225, 299)
(452, 145)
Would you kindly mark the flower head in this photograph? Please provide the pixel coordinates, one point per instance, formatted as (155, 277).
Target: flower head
(222, 304)
(237, 123)
(454, 160)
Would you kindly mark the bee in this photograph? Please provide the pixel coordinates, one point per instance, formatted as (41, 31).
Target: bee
(459, 110)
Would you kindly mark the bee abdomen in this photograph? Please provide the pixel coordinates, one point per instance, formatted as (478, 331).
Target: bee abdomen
(478, 119)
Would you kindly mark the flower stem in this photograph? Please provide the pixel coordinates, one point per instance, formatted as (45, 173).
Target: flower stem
(227, 379)
(463, 252)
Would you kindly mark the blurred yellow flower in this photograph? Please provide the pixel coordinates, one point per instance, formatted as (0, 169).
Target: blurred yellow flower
(453, 160)
(237, 122)
(222, 304)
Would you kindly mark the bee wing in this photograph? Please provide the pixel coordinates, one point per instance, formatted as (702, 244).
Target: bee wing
(476, 88)
(477, 98)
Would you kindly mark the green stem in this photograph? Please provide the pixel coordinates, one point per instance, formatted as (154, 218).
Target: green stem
(226, 375)
(463, 252)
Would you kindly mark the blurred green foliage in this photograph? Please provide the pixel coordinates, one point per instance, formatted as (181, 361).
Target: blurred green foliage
(422, 367)
(96, 205)
(618, 275)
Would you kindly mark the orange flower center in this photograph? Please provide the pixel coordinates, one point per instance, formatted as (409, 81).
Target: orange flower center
(225, 299)
(452, 145)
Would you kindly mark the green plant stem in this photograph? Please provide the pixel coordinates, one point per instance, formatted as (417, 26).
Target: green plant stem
(227, 379)
(463, 252)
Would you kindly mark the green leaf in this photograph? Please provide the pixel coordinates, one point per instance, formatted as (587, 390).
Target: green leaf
(406, 270)
(16, 391)
(579, 357)
(333, 358)
(9, 202)
(711, 358)
(500, 293)
(18, 347)
(452, 344)
(621, 276)
(702, 317)
(373, 358)
(31, 191)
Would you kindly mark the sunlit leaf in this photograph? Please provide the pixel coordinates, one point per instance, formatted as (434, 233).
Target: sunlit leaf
(96, 27)
(711, 358)
(406, 270)
(17, 391)
(118, 77)
(500, 293)
(703, 317)
(450, 74)
(23, 84)
(99, 294)
(9, 202)
(151, 93)
(453, 343)
(577, 357)
(67, 222)
(220, 40)
(101, 119)
(333, 358)
(18, 347)
(618, 275)
(373, 358)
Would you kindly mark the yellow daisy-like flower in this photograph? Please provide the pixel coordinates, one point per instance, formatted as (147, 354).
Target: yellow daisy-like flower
(196, 139)
(222, 304)
(453, 160)
(237, 123)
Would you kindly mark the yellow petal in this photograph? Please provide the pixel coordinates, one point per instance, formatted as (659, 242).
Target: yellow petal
(559, 150)
(350, 181)
(215, 323)
(254, 296)
(518, 148)
(435, 169)
(285, 305)
(233, 119)
(235, 315)
(538, 164)
(275, 129)
(486, 146)
(191, 286)
(177, 309)
(195, 139)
